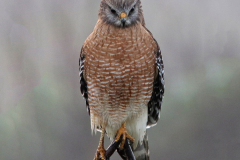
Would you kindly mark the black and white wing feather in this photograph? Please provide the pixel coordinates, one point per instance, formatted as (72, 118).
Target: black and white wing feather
(154, 105)
(83, 82)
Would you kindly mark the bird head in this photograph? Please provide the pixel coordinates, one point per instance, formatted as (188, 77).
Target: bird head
(121, 13)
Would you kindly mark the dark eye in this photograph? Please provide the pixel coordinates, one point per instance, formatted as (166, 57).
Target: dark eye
(113, 11)
(132, 10)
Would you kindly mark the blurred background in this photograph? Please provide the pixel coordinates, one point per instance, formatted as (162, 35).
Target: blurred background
(43, 115)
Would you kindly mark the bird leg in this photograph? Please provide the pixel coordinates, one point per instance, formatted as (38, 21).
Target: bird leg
(123, 132)
(101, 151)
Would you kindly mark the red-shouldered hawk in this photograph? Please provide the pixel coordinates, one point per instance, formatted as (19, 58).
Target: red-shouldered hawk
(122, 76)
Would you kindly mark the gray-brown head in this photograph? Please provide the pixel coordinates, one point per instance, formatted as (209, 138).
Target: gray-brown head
(121, 13)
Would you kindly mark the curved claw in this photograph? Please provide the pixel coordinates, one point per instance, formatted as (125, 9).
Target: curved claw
(123, 132)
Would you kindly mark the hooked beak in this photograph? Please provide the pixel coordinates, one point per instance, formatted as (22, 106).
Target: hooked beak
(123, 18)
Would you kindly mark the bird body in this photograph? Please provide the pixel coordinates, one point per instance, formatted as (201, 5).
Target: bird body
(120, 70)
(121, 75)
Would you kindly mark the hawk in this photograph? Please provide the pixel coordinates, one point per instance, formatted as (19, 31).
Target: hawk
(122, 76)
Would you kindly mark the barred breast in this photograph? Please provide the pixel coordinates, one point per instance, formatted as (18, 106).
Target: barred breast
(119, 70)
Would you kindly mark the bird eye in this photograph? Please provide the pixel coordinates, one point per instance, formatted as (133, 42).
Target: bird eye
(132, 10)
(113, 11)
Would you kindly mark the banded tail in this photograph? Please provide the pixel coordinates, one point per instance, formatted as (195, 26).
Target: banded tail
(142, 151)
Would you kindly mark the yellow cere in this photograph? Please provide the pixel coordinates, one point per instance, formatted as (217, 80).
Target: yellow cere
(123, 15)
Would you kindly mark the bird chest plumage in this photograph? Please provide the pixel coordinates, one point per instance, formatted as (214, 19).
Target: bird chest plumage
(120, 68)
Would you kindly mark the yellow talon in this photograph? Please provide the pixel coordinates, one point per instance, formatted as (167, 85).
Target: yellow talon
(123, 132)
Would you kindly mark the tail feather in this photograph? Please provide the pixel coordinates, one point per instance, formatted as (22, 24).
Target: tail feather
(142, 151)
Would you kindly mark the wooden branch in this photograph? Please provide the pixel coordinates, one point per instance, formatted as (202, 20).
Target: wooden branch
(126, 153)
(112, 148)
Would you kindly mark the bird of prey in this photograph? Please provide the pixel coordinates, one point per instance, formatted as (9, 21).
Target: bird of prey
(122, 76)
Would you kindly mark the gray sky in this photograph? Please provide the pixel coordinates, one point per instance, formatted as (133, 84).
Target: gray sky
(42, 113)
